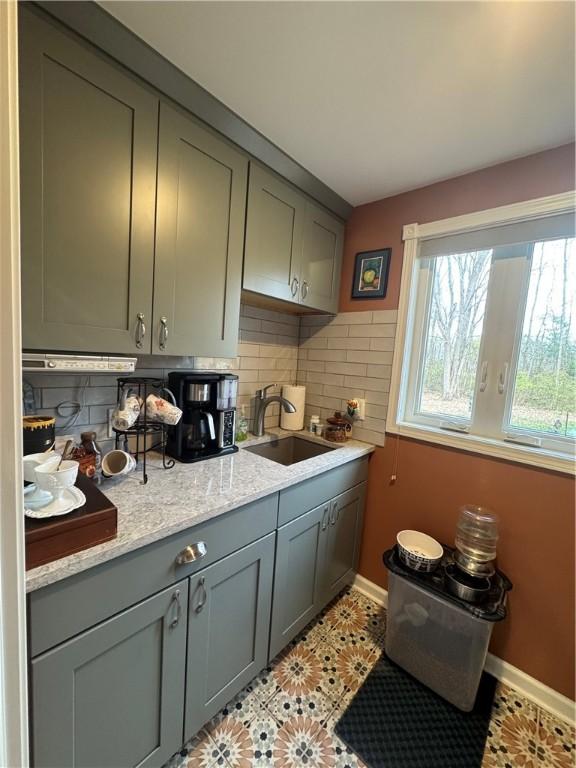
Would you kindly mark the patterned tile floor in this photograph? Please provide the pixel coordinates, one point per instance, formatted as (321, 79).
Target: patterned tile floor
(285, 718)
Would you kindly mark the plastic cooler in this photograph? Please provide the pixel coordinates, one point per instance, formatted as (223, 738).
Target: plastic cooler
(439, 639)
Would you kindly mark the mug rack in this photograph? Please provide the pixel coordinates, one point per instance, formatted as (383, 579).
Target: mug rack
(145, 434)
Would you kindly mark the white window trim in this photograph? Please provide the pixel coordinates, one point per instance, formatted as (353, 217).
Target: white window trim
(412, 235)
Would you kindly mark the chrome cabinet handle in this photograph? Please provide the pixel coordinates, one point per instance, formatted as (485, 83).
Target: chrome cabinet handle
(294, 286)
(191, 553)
(304, 289)
(140, 330)
(324, 524)
(176, 619)
(163, 332)
(336, 513)
(202, 603)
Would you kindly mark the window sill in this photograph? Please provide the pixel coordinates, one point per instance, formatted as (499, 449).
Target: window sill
(489, 447)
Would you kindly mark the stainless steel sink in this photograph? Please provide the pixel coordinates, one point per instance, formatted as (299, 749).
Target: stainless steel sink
(289, 450)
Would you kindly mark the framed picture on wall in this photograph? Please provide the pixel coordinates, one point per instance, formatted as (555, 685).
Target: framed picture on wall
(371, 274)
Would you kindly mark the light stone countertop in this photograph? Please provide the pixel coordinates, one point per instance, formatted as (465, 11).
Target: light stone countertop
(179, 498)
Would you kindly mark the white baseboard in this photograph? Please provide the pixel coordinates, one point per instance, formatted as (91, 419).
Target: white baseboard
(371, 590)
(542, 695)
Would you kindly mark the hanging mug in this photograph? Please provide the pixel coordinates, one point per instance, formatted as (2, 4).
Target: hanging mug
(158, 409)
(127, 411)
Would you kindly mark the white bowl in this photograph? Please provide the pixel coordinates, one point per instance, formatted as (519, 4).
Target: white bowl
(419, 551)
(33, 460)
(56, 480)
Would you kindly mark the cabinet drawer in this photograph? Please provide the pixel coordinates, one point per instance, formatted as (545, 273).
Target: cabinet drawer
(309, 494)
(66, 608)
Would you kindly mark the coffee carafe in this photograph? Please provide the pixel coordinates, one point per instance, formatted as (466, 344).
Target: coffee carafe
(200, 431)
(208, 403)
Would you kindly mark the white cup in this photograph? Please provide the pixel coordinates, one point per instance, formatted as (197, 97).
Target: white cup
(54, 479)
(116, 463)
(158, 409)
(127, 412)
(30, 462)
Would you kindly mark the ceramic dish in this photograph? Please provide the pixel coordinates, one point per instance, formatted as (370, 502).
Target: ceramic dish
(419, 551)
(71, 499)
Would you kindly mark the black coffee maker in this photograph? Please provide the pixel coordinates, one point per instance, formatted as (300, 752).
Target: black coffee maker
(208, 403)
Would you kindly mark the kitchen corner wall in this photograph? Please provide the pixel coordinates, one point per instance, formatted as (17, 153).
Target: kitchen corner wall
(267, 354)
(344, 357)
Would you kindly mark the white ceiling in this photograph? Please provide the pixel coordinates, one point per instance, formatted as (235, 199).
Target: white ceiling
(375, 98)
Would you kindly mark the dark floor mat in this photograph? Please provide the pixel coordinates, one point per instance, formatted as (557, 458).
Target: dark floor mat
(396, 722)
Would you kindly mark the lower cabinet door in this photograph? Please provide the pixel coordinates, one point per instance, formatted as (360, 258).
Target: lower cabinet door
(228, 625)
(298, 575)
(343, 535)
(114, 695)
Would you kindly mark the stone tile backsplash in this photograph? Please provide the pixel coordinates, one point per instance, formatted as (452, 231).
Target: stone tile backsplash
(347, 356)
(336, 357)
(267, 354)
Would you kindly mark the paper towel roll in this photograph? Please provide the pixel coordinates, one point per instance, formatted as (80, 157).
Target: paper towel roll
(297, 396)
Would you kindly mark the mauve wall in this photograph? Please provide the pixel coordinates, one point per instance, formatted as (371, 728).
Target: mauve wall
(536, 506)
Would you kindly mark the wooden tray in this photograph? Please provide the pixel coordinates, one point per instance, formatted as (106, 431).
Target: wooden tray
(94, 523)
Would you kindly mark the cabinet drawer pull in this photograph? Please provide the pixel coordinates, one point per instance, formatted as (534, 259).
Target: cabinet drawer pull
(191, 553)
(304, 289)
(294, 287)
(140, 330)
(163, 333)
(176, 619)
(202, 603)
(334, 513)
(325, 518)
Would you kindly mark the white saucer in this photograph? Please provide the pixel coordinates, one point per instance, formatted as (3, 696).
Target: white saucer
(43, 497)
(72, 498)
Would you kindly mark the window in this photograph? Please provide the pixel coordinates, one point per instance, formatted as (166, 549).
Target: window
(488, 321)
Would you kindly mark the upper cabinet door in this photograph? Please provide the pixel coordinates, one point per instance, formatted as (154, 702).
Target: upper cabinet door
(88, 159)
(321, 260)
(274, 226)
(199, 240)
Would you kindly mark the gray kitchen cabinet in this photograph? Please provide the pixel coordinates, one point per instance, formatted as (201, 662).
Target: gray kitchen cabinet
(298, 499)
(228, 626)
(298, 581)
(316, 557)
(114, 695)
(117, 681)
(274, 226)
(293, 249)
(88, 175)
(132, 224)
(322, 246)
(343, 535)
(199, 240)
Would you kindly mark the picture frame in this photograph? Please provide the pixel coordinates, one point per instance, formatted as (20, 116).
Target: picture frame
(371, 269)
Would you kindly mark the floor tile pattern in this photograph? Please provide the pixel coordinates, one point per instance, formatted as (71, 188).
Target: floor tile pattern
(285, 718)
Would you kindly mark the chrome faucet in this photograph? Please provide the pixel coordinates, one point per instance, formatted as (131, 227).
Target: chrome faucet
(262, 402)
